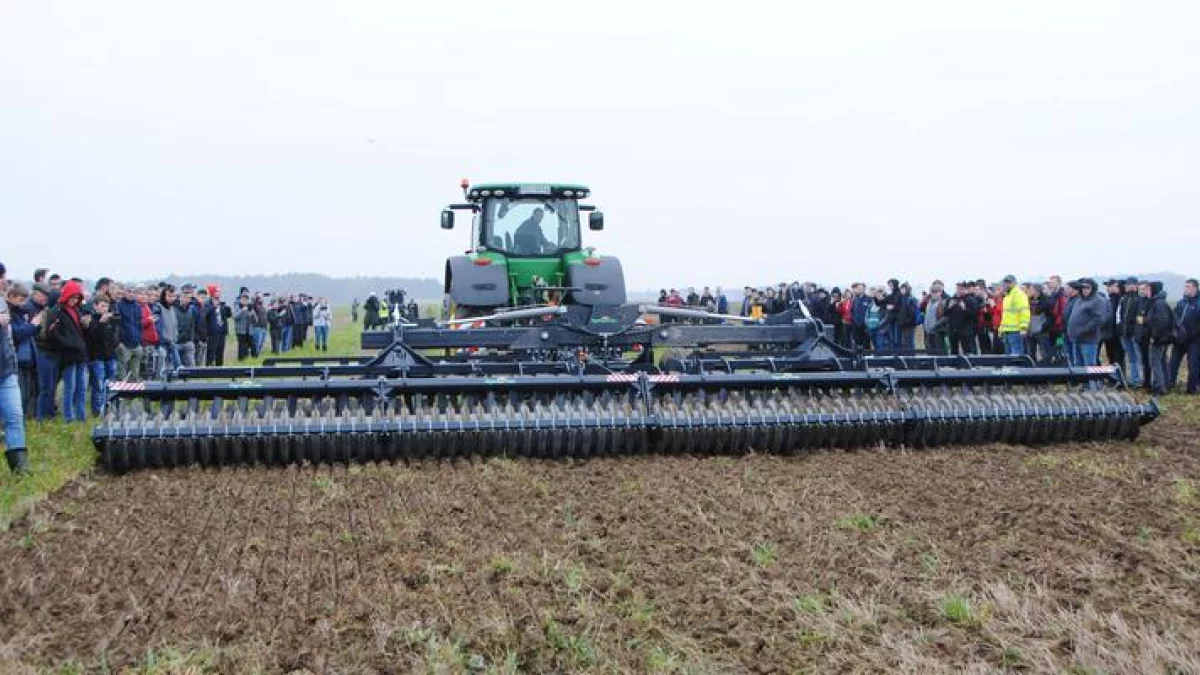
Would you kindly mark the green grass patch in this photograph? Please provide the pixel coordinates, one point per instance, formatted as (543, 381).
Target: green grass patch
(763, 554)
(58, 453)
(860, 521)
(1186, 492)
(815, 603)
(957, 609)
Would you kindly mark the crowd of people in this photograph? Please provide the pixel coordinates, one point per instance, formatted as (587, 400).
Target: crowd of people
(1127, 322)
(60, 335)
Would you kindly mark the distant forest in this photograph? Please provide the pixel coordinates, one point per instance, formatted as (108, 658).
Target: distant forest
(339, 290)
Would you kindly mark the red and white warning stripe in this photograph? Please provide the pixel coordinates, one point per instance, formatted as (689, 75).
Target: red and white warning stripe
(1101, 369)
(622, 377)
(668, 377)
(126, 386)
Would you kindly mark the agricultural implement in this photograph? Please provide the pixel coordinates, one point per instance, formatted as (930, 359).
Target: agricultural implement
(539, 354)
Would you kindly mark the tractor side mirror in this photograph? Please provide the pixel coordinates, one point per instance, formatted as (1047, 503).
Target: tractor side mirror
(595, 220)
(447, 219)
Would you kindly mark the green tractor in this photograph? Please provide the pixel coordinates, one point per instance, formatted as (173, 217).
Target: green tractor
(527, 251)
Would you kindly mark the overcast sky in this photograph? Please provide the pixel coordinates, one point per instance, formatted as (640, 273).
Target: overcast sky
(752, 143)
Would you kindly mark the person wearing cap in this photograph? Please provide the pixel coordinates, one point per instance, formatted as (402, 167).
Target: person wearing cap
(962, 312)
(1014, 321)
(1086, 320)
(1127, 330)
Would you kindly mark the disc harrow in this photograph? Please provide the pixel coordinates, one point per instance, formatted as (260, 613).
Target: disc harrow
(554, 416)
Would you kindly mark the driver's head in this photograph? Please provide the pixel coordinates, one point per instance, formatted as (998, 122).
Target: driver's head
(537, 215)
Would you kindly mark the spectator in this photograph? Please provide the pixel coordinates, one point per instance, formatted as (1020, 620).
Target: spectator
(24, 326)
(962, 312)
(65, 327)
(1161, 323)
(185, 326)
(1112, 341)
(102, 337)
(216, 319)
(242, 322)
(166, 322)
(152, 356)
(322, 319)
(1126, 327)
(197, 308)
(722, 302)
(674, 299)
(1071, 293)
(354, 309)
(1041, 325)
(906, 317)
(47, 362)
(276, 323)
(1057, 294)
(1142, 330)
(1014, 317)
(693, 298)
(936, 322)
(1085, 323)
(876, 321)
(11, 412)
(1187, 345)
(888, 333)
(860, 303)
(707, 301)
(129, 347)
(370, 312)
(258, 325)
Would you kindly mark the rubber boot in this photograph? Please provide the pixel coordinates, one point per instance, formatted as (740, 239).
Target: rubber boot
(18, 461)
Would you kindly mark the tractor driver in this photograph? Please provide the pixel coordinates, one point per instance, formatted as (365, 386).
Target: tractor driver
(529, 238)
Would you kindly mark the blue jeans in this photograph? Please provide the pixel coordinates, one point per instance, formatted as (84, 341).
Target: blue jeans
(322, 333)
(47, 376)
(74, 378)
(259, 337)
(102, 372)
(1133, 356)
(1158, 369)
(1087, 353)
(1070, 351)
(10, 412)
(1014, 344)
(1192, 353)
(287, 338)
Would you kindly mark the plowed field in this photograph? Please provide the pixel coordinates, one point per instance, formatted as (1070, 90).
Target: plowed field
(985, 559)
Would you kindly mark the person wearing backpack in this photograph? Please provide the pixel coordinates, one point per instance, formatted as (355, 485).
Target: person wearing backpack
(1187, 338)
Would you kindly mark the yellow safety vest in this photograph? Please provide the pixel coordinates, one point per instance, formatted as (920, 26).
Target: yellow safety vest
(1016, 312)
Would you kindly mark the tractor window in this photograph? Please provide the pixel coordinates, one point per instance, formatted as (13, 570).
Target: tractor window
(531, 227)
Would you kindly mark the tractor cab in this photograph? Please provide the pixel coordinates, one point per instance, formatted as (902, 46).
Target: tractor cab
(527, 249)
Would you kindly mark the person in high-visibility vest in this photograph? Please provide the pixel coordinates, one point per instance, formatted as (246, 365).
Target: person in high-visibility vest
(1014, 323)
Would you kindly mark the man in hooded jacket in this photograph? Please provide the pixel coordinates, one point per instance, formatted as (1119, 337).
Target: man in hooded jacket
(65, 330)
(1161, 333)
(1187, 345)
(1085, 323)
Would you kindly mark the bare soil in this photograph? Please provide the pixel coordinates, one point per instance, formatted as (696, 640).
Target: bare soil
(986, 559)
